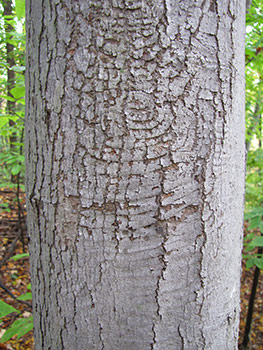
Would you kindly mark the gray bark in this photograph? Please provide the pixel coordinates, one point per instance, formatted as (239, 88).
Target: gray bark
(248, 4)
(135, 172)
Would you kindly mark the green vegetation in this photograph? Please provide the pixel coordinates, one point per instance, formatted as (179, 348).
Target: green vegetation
(24, 321)
(12, 101)
(254, 109)
(12, 92)
(23, 324)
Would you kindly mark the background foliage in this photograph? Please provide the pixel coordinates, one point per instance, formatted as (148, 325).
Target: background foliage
(12, 101)
(12, 92)
(254, 109)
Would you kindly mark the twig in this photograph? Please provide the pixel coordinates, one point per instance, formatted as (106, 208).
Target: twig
(251, 306)
(12, 295)
(10, 250)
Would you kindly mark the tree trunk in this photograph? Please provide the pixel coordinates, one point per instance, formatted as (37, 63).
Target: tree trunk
(135, 172)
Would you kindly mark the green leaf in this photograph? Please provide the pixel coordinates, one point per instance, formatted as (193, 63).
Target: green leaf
(8, 184)
(21, 102)
(3, 64)
(18, 92)
(257, 241)
(249, 248)
(10, 117)
(18, 69)
(20, 8)
(19, 256)
(249, 236)
(26, 296)
(21, 114)
(246, 256)
(17, 143)
(3, 121)
(259, 263)
(254, 212)
(19, 328)
(9, 159)
(16, 169)
(6, 309)
(254, 222)
(250, 51)
(8, 16)
(5, 207)
(12, 41)
(250, 263)
(8, 98)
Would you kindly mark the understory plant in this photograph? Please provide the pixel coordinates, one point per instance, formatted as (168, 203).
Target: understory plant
(23, 320)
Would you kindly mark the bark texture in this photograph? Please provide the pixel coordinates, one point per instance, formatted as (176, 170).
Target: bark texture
(135, 172)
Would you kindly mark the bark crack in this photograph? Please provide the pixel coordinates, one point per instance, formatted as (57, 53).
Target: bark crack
(163, 231)
(181, 336)
(101, 336)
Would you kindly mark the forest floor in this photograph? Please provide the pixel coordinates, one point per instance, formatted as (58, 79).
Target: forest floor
(15, 276)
